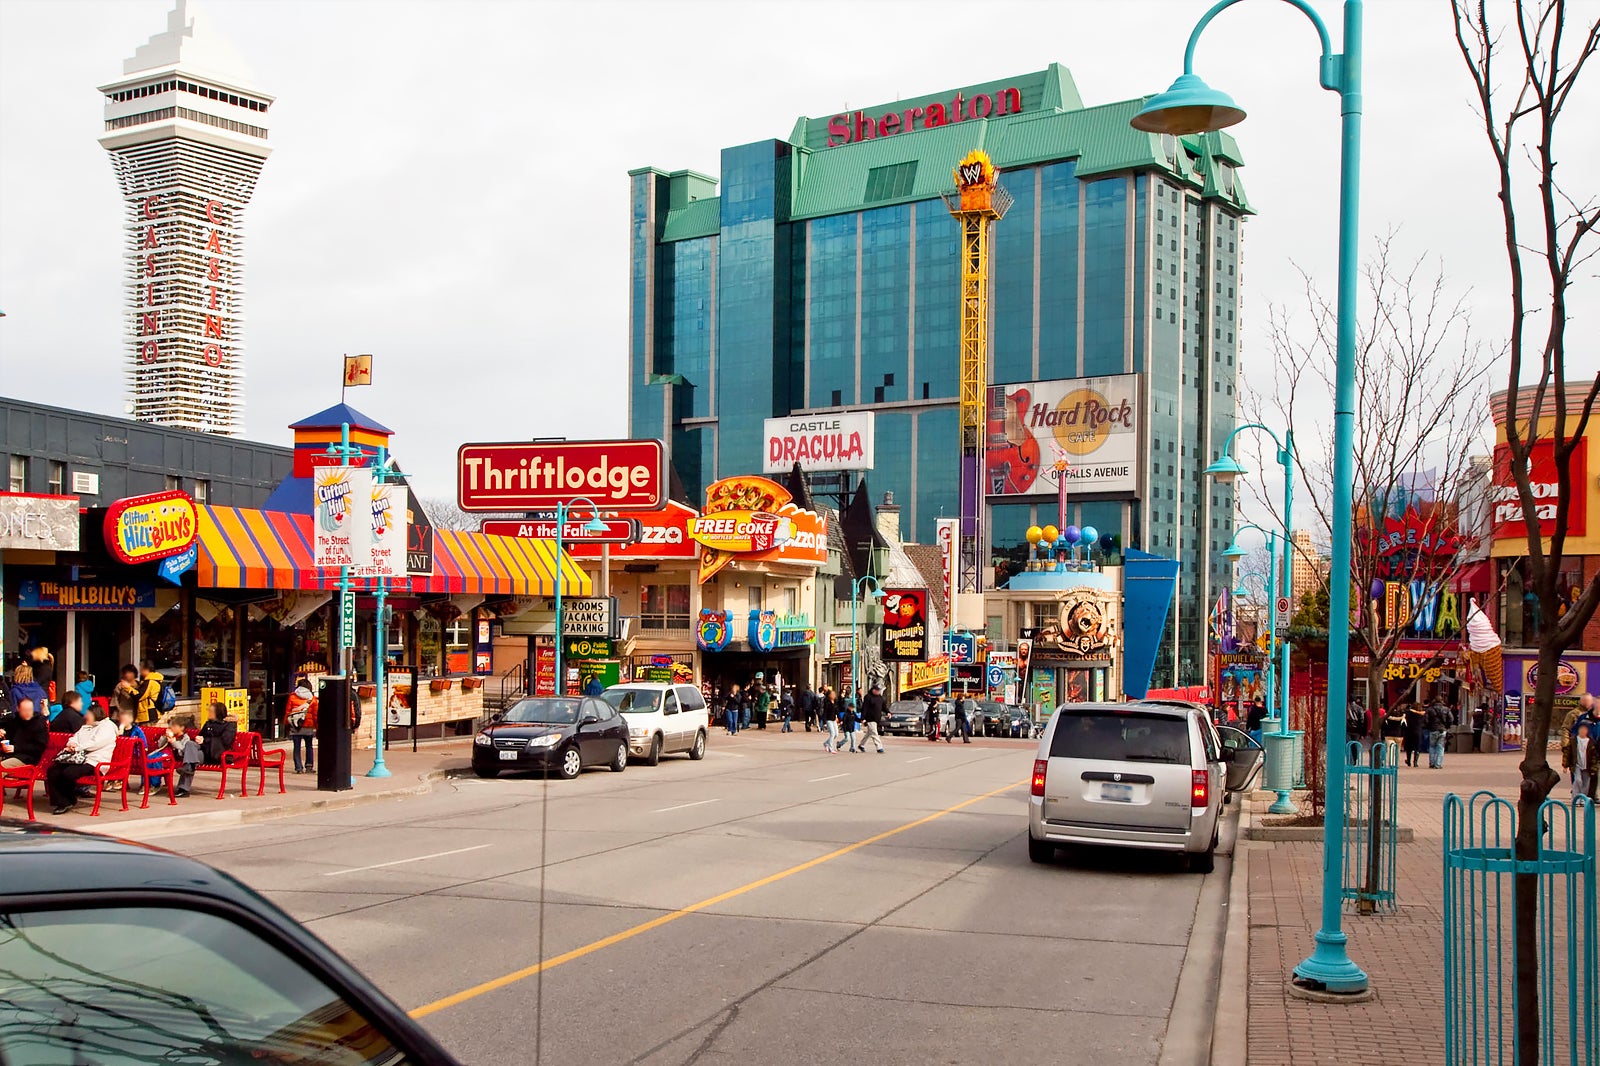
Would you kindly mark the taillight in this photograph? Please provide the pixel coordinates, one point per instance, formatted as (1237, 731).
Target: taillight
(1200, 789)
(1039, 767)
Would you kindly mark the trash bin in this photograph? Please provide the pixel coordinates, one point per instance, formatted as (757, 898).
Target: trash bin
(1459, 741)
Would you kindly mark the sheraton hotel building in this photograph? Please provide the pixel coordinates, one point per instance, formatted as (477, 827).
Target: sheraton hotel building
(820, 273)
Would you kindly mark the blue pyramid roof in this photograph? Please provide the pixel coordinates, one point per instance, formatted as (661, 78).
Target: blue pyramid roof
(336, 416)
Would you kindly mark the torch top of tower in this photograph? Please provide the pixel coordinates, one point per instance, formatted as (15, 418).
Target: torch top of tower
(191, 42)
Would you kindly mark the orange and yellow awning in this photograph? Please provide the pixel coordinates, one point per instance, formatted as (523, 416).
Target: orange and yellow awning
(243, 548)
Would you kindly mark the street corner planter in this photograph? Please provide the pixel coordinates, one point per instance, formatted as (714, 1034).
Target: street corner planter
(470, 683)
(440, 684)
(366, 692)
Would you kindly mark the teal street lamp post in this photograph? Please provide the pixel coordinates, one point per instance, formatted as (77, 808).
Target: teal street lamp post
(1277, 710)
(382, 472)
(1191, 106)
(594, 525)
(855, 636)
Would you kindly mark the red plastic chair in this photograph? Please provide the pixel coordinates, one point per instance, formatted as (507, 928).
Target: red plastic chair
(266, 760)
(117, 770)
(25, 777)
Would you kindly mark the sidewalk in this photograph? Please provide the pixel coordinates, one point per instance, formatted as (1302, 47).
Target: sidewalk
(1402, 953)
(411, 774)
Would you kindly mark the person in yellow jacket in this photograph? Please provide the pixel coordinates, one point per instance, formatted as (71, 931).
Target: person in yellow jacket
(150, 682)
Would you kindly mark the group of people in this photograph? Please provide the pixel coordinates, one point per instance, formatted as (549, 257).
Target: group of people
(842, 719)
(29, 715)
(1580, 746)
(1418, 730)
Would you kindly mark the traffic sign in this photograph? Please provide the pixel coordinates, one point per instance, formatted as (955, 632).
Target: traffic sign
(347, 620)
(1283, 605)
(614, 531)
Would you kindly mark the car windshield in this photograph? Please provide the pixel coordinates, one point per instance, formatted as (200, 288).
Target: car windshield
(907, 707)
(121, 986)
(1114, 736)
(633, 700)
(555, 711)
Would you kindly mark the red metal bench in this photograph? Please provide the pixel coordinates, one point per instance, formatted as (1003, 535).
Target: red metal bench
(157, 764)
(238, 757)
(267, 760)
(24, 778)
(116, 770)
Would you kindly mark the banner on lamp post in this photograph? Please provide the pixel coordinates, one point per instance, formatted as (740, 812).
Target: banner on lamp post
(387, 533)
(340, 503)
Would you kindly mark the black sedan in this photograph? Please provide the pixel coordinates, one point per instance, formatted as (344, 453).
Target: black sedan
(994, 719)
(563, 733)
(906, 718)
(119, 952)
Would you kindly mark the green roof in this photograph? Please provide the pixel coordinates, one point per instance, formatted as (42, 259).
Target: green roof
(1053, 125)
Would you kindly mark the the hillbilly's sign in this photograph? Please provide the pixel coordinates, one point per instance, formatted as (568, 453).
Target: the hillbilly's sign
(142, 529)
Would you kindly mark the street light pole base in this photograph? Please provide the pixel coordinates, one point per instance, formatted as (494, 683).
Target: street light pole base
(379, 770)
(1283, 805)
(1329, 970)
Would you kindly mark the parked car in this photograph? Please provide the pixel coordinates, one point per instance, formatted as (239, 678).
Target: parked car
(993, 719)
(563, 733)
(907, 718)
(662, 719)
(1148, 774)
(119, 952)
(1021, 722)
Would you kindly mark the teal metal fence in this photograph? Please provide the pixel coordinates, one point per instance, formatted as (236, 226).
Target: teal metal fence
(1371, 828)
(1480, 953)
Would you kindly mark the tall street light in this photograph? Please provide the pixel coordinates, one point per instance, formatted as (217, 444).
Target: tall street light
(1191, 106)
(855, 637)
(594, 525)
(1276, 676)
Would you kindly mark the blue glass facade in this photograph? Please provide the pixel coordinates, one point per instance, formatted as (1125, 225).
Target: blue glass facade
(767, 304)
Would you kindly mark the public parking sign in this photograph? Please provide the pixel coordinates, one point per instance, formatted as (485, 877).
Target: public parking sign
(997, 676)
(539, 475)
(613, 531)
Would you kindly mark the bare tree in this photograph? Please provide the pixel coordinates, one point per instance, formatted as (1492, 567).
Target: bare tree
(1421, 388)
(1523, 71)
(444, 514)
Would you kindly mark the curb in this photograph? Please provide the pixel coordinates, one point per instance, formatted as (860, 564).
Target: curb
(1230, 1036)
(1191, 1024)
(205, 821)
(1292, 833)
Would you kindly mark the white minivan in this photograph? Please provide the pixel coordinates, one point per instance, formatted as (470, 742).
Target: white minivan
(662, 719)
(1147, 774)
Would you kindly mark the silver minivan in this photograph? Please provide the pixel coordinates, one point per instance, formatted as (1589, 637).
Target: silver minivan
(1147, 774)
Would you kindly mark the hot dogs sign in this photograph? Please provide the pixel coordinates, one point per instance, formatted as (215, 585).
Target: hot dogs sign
(754, 519)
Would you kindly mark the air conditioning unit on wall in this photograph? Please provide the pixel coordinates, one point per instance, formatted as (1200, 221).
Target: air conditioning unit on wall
(85, 484)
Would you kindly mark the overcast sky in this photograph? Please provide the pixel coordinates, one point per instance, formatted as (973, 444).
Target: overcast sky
(448, 185)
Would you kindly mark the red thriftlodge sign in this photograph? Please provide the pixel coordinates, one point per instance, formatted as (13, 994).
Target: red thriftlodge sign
(538, 475)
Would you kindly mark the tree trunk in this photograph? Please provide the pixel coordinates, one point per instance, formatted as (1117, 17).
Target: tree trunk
(1538, 781)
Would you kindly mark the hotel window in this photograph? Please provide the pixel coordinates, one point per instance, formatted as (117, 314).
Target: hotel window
(664, 606)
(58, 478)
(202, 491)
(891, 182)
(18, 479)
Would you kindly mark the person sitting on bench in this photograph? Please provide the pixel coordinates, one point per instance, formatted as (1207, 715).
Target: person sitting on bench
(217, 736)
(90, 745)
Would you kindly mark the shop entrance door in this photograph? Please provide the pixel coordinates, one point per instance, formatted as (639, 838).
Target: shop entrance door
(101, 639)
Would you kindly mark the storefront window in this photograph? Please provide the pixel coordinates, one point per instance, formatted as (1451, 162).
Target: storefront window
(215, 644)
(664, 607)
(428, 644)
(161, 642)
(458, 645)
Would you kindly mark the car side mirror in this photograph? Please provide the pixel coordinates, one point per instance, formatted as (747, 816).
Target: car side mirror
(588, 719)
(497, 716)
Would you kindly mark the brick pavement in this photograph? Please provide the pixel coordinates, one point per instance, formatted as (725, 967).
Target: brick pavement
(1402, 953)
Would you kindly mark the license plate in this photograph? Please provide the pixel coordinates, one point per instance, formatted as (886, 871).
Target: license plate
(508, 756)
(1116, 793)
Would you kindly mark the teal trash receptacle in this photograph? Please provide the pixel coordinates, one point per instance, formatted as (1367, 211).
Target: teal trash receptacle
(1278, 774)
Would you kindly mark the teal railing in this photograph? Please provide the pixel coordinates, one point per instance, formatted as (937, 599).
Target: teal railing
(1480, 952)
(1371, 828)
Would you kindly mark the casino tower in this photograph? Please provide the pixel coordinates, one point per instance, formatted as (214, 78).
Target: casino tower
(187, 137)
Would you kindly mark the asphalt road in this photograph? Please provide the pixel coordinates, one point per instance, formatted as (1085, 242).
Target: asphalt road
(770, 904)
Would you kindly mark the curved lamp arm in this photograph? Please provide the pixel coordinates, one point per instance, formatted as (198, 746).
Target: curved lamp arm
(1330, 75)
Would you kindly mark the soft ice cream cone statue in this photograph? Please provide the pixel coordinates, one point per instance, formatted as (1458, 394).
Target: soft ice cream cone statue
(1484, 648)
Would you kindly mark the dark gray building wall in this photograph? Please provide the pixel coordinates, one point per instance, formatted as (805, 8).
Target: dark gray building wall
(133, 458)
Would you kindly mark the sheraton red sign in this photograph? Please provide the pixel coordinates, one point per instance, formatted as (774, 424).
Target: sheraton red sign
(538, 475)
(612, 531)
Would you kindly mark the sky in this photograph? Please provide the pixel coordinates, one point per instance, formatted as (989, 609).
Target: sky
(448, 185)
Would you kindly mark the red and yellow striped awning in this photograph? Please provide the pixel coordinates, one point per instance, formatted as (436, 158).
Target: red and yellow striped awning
(243, 548)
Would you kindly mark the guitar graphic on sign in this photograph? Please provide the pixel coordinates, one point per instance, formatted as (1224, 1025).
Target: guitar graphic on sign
(1013, 451)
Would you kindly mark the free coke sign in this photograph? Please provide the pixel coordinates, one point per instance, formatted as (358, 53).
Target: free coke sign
(538, 475)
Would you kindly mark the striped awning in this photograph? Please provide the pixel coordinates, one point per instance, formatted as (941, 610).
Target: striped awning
(243, 548)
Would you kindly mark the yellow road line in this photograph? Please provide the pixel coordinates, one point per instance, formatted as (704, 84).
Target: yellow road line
(655, 923)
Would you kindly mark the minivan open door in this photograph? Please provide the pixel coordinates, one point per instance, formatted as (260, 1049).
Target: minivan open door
(1242, 755)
